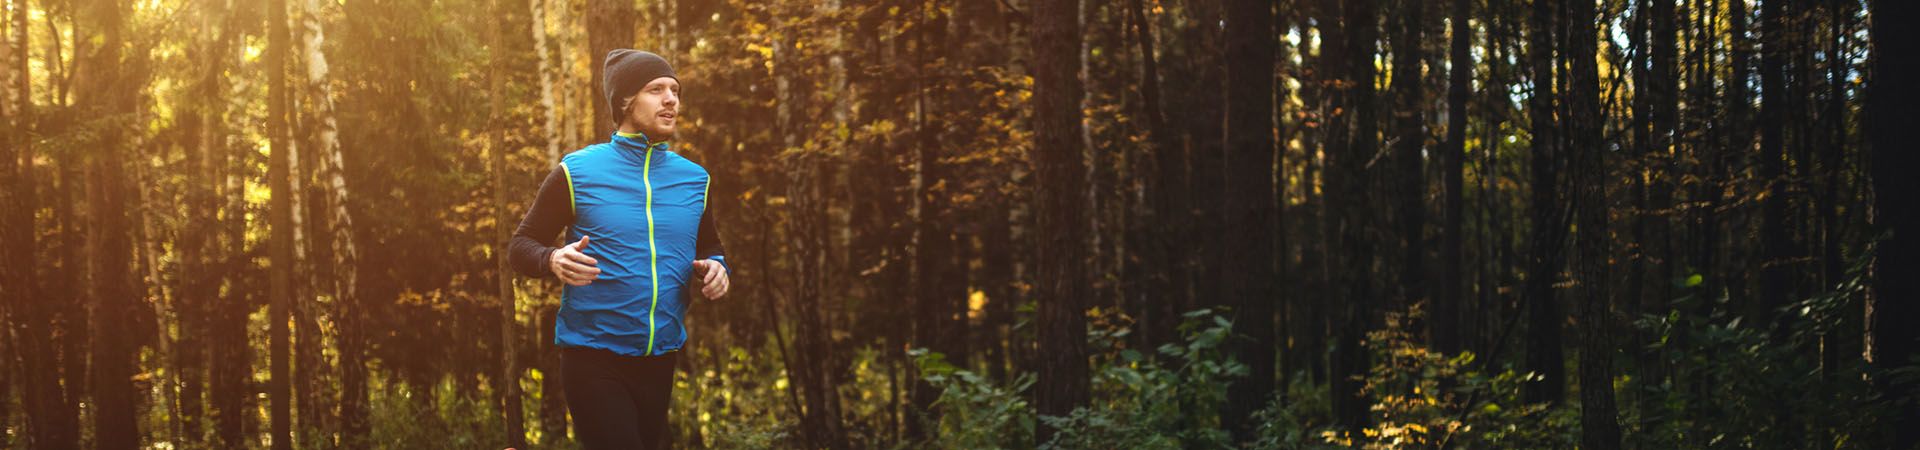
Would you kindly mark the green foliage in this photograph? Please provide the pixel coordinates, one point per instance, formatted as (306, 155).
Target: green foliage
(1171, 402)
(1735, 385)
(732, 397)
(449, 414)
(973, 411)
(1422, 398)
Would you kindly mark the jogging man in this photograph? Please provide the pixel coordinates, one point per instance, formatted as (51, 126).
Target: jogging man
(640, 240)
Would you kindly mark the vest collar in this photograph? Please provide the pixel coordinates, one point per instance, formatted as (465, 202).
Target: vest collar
(636, 144)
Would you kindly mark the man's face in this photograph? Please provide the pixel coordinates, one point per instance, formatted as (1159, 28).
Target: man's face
(655, 108)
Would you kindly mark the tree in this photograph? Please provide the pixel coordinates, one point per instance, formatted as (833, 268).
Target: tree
(509, 381)
(51, 419)
(1550, 218)
(1250, 43)
(280, 222)
(1350, 31)
(1600, 428)
(609, 26)
(107, 80)
(1444, 315)
(933, 242)
(1774, 244)
(1892, 340)
(343, 276)
(1060, 215)
(1168, 187)
(230, 371)
(1409, 145)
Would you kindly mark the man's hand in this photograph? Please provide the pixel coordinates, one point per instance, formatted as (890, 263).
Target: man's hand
(712, 278)
(572, 266)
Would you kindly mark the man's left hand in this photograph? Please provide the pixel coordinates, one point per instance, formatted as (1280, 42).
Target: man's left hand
(713, 277)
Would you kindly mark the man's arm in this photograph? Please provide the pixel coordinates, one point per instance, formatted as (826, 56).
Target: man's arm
(707, 244)
(710, 266)
(551, 212)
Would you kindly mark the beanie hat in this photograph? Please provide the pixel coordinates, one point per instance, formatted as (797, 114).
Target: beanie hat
(628, 70)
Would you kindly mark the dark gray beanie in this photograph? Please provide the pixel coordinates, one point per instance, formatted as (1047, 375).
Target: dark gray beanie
(628, 70)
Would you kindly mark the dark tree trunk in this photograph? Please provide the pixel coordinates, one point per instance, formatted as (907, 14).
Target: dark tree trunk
(107, 82)
(75, 328)
(1355, 141)
(1891, 337)
(1168, 187)
(231, 366)
(51, 421)
(1773, 118)
(508, 384)
(1547, 241)
(1444, 322)
(1739, 147)
(1600, 426)
(933, 248)
(1202, 120)
(1252, 216)
(1060, 214)
(609, 26)
(1309, 331)
(1657, 226)
(1409, 128)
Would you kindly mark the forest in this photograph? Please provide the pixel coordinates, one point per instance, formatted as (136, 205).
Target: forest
(970, 224)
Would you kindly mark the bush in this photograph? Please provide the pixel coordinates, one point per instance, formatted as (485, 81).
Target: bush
(1734, 382)
(974, 412)
(1421, 399)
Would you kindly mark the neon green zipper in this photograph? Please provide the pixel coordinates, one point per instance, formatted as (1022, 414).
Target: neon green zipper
(653, 250)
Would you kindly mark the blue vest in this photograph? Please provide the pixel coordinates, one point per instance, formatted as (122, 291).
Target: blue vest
(640, 205)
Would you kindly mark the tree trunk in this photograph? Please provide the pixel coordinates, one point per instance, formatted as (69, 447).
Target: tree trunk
(1600, 426)
(1661, 176)
(231, 366)
(1891, 338)
(550, 123)
(1409, 127)
(1203, 125)
(1347, 199)
(1169, 188)
(508, 383)
(352, 414)
(1060, 215)
(1443, 321)
(280, 223)
(1550, 219)
(1250, 43)
(821, 419)
(933, 247)
(107, 80)
(1332, 66)
(609, 26)
(1773, 118)
(51, 421)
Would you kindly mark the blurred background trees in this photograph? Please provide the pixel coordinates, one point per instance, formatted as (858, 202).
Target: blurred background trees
(968, 224)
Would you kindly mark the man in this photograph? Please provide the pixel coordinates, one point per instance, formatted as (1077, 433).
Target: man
(639, 231)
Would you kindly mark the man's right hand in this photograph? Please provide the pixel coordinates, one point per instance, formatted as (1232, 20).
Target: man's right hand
(572, 266)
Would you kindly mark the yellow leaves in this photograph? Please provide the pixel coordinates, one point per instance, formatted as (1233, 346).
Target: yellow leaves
(765, 51)
(976, 305)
